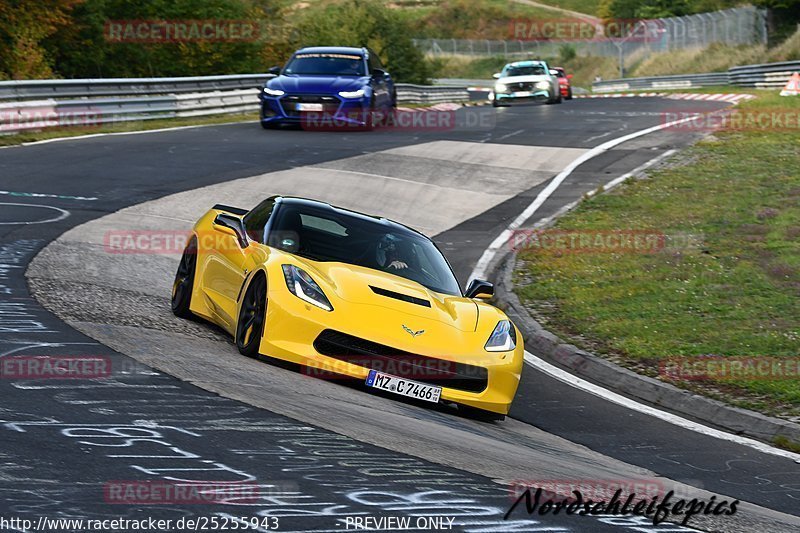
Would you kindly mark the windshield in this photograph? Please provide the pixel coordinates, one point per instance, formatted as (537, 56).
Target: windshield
(323, 234)
(531, 70)
(326, 65)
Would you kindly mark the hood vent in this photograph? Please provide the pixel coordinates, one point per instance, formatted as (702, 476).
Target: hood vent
(400, 296)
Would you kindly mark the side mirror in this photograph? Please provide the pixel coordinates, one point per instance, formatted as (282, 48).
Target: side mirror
(275, 71)
(231, 225)
(479, 288)
(569, 76)
(553, 72)
(496, 75)
(378, 74)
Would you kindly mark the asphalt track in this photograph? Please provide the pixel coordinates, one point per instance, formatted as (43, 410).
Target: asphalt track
(47, 470)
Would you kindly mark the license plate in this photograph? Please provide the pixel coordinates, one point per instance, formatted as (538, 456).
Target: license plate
(308, 107)
(403, 387)
(522, 94)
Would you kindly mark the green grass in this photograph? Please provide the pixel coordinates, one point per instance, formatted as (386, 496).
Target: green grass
(52, 133)
(735, 293)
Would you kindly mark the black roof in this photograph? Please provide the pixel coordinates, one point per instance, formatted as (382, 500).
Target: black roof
(324, 206)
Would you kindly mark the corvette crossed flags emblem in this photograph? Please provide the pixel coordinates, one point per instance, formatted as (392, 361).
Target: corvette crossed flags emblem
(412, 332)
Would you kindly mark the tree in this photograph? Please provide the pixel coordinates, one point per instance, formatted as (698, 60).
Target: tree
(364, 23)
(26, 23)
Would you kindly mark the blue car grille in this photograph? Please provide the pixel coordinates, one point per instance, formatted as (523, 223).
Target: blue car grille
(330, 104)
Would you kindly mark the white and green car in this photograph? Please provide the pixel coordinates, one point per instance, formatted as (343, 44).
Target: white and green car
(525, 81)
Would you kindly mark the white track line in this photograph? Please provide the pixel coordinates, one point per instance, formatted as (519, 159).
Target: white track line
(480, 271)
(489, 254)
(606, 394)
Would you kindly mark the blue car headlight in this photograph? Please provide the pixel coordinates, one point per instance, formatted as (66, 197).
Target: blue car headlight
(503, 338)
(352, 94)
(273, 92)
(304, 287)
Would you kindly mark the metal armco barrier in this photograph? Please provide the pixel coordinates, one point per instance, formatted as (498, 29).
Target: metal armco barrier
(428, 94)
(38, 104)
(765, 76)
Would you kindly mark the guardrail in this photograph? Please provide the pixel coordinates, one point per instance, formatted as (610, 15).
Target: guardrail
(680, 81)
(430, 94)
(91, 88)
(38, 104)
(763, 76)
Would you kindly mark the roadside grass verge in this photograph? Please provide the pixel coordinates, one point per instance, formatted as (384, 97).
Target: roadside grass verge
(734, 292)
(120, 127)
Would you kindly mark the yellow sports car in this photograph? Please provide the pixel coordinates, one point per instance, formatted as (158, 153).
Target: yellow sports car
(350, 295)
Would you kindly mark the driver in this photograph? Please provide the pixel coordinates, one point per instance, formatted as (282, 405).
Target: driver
(388, 253)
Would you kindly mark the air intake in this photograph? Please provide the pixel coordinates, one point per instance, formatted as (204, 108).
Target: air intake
(400, 296)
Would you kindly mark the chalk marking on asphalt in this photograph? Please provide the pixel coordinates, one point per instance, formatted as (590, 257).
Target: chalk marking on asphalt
(507, 135)
(63, 214)
(633, 405)
(43, 195)
(488, 255)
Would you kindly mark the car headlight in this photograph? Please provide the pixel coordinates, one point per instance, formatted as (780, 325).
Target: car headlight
(273, 92)
(352, 94)
(304, 287)
(542, 85)
(503, 338)
(500, 87)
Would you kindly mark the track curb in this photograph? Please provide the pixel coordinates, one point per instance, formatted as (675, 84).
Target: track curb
(602, 372)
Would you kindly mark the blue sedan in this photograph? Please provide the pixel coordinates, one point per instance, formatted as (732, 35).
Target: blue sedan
(328, 85)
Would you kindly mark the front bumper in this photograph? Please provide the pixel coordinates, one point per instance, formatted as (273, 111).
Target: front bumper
(293, 327)
(335, 109)
(537, 94)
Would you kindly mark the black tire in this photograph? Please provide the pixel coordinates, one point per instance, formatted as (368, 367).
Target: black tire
(250, 325)
(569, 94)
(184, 281)
(479, 414)
(556, 100)
(269, 125)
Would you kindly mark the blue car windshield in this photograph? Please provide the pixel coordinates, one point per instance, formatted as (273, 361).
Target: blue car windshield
(533, 70)
(326, 64)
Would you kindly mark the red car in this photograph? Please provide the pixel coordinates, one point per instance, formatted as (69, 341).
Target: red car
(563, 82)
